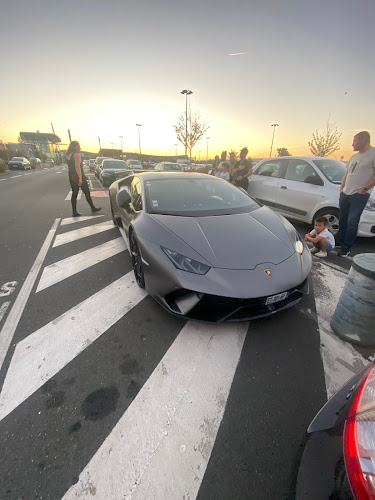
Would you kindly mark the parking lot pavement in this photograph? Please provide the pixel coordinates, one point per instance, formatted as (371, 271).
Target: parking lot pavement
(103, 392)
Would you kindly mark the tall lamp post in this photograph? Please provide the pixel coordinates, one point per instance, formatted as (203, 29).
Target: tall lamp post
(121, 138)
(176, 149)
(274, 125)
(112, 144)
(139, 136)
(186, 92)
(208, 138)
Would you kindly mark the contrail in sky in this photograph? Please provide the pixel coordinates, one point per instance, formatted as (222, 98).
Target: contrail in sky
(238, 54)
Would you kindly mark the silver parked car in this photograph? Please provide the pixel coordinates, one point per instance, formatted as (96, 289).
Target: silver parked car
(206, 250)
(303, 188)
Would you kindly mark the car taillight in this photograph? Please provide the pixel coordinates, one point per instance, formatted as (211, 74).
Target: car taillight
(359, 440)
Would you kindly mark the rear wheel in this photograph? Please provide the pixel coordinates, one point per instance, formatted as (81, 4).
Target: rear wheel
(137, 261)
(332, 215)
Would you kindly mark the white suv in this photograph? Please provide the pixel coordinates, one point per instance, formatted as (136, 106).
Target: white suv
(303, 188)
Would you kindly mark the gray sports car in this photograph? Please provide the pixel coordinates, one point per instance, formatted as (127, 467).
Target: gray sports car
(206, 250)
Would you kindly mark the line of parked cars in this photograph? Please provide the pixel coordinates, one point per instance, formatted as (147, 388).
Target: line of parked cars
(23, 163)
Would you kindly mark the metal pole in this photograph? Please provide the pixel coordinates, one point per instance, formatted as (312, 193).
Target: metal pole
(207, 148)
(186, 125)
(121, 137)
(274, 125)
(139, 137)
(176, 149)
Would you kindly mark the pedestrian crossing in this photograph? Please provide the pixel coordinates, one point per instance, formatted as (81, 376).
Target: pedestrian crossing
(156, 417)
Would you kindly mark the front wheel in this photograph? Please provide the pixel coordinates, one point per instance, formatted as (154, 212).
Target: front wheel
(137, 261)
(332, 215)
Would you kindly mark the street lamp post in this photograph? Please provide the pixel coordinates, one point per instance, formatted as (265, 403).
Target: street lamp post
(176, 149)
(274, 125)
(139, 136)
(208, 138)
(121, 138)
(112, 144)
(186, 92)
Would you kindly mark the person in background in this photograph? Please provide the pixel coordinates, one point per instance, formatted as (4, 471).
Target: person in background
(224, 171)
(232, 164)
(355, 191)
(77, 177)
(223, 159)
(243, 170)
(321, 237)
(215, 168)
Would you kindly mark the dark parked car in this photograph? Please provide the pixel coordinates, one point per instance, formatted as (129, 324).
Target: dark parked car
(19, 162)
(192, 238)
(111, 170)
(338, 461)
(98, 162)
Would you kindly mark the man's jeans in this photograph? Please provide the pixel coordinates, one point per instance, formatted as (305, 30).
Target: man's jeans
(351, 208)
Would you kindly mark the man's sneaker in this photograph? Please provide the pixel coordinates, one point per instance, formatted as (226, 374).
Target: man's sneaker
(321, 254)
(314, 250)
(343, 252)
(94, 210)
(76, 214)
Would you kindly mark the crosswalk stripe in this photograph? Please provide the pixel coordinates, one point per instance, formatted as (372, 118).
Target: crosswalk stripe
(69, 195)
(84, 232)
(161, 446)
(70, 266)
(45, 352)
(72, 220)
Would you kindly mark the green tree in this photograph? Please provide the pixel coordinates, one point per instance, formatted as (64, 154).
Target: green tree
(195, 130)
(283, 152)
(327, 142)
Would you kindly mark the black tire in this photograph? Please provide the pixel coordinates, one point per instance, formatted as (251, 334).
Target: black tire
(137, 261)
(332, 214)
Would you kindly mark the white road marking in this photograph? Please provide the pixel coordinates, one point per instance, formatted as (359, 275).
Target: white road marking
(28, 174)
(65, 268)
(14, 176)
(45, 352)
(69, 195)
(340, 360)
(84, 232)
(8, 288)
(11, 323)
(72, 220)
(3, 310)
(2, 180)
(161, 446)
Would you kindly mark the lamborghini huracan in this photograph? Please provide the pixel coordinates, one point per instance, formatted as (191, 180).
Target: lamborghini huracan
(206, 250)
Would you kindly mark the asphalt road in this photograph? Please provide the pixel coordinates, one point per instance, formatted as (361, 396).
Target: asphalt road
(105, 394)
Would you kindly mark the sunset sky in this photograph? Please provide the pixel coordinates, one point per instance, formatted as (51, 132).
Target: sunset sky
(100, 67)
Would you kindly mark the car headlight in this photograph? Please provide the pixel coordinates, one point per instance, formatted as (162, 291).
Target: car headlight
(370, 205)
(185, 263)
(299, 244)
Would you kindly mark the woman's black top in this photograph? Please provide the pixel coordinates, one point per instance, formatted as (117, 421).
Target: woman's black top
(73, 176)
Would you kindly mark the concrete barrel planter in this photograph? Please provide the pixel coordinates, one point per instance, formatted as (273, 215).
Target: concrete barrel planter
(354, 317)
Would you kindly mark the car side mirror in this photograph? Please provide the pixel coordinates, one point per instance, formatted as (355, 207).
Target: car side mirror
(123, 198)
(314, 179)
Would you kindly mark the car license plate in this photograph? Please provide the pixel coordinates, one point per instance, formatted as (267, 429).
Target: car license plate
(276, 298)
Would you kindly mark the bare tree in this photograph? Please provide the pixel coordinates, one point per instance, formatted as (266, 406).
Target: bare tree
(327, 142)
(195, 130)
(283, 152)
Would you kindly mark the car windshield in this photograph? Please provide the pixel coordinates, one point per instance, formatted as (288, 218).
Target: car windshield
(196, 197)
(114, 164)
(334, 170)
(134, 162)
(17, 158)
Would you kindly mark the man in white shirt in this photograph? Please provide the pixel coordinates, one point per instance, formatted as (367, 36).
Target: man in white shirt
(355, 191)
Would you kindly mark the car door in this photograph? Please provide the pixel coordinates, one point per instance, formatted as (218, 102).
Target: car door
(299, 191)
(264, 183)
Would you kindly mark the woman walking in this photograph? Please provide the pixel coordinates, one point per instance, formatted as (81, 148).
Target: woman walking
(77, 177)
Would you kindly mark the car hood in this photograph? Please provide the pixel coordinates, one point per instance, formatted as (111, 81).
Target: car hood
(240, 241)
